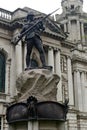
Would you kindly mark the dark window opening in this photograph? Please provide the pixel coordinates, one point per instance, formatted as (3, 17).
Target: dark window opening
(62, 27)
(66, 8)
(2, 72)
(72, 6)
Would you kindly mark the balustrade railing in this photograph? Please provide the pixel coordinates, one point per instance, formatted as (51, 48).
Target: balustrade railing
(5, 14)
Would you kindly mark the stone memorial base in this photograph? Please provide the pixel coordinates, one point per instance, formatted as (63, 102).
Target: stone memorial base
(36, 106)
(41, 83)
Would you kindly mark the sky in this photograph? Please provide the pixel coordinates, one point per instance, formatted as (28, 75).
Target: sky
(44, 6)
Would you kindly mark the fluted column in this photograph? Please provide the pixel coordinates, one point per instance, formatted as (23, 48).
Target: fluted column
(79, 90)
(70, 82)
(83, 89)
(78, 30)
(8, 89)
(82, 30)
(58, 71)
(7, 82)
(19, 58)
(75, 88)
(51, 57)
(13, 71)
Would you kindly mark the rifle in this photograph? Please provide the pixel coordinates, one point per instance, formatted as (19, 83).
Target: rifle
(30, 28)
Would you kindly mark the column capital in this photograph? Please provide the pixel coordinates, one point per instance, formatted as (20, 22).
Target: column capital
(69, 21)
(78, 20)
(69, 57)
(77, 70)
(83, 71)
(57, 49)
(50, 47)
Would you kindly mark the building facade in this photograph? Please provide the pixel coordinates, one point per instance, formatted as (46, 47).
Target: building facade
(74, 22)
(67, 56)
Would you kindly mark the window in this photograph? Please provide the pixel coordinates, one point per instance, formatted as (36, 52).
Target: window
(2, 72)
(62, 27)
(66, 8)
(72, 6)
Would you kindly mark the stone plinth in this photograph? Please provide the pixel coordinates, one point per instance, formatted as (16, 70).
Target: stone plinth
(41, 83)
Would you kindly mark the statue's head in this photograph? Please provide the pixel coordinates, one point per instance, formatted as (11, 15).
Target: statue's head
(30, 16)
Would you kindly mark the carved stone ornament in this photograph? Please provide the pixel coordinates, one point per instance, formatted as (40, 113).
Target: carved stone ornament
(41, 83)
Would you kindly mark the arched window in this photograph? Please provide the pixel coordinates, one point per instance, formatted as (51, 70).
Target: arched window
(2, 72)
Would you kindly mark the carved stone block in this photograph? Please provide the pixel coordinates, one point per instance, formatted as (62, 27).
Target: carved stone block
(41, 83)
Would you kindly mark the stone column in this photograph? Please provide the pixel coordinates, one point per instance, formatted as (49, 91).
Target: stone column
(78, 30)
(30, 126)
(19, 58)
(70, 82)
(72, 120)
(82, 30)
(13, 71)
(51, 57)
(79, 90)
(75, 88)
(58, 71)
(25, 52)
(33, 125)
(65, 30)
(69, 29)
(7, 80)
(83, 90)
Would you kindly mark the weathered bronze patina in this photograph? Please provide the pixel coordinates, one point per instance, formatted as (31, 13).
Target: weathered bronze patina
(34, 110)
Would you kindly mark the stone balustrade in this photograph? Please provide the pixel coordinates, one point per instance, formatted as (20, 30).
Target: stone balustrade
(5, 14)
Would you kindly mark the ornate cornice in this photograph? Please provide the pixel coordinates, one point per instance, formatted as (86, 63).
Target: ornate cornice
(76, 58)
(68, 44)
(54, 31)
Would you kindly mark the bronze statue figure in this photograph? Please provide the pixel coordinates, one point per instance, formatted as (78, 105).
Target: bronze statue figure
(33, 39)
(31, 30)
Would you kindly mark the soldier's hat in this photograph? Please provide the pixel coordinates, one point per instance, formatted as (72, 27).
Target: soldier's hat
(30, 14)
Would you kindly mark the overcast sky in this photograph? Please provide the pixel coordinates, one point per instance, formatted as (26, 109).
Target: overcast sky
(45, 6)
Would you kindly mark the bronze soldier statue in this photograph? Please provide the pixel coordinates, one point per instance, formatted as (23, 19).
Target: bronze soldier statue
(32, 38)
(31, 30)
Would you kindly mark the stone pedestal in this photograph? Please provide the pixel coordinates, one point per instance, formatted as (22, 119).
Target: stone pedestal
(36, 102)
(41, 83)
